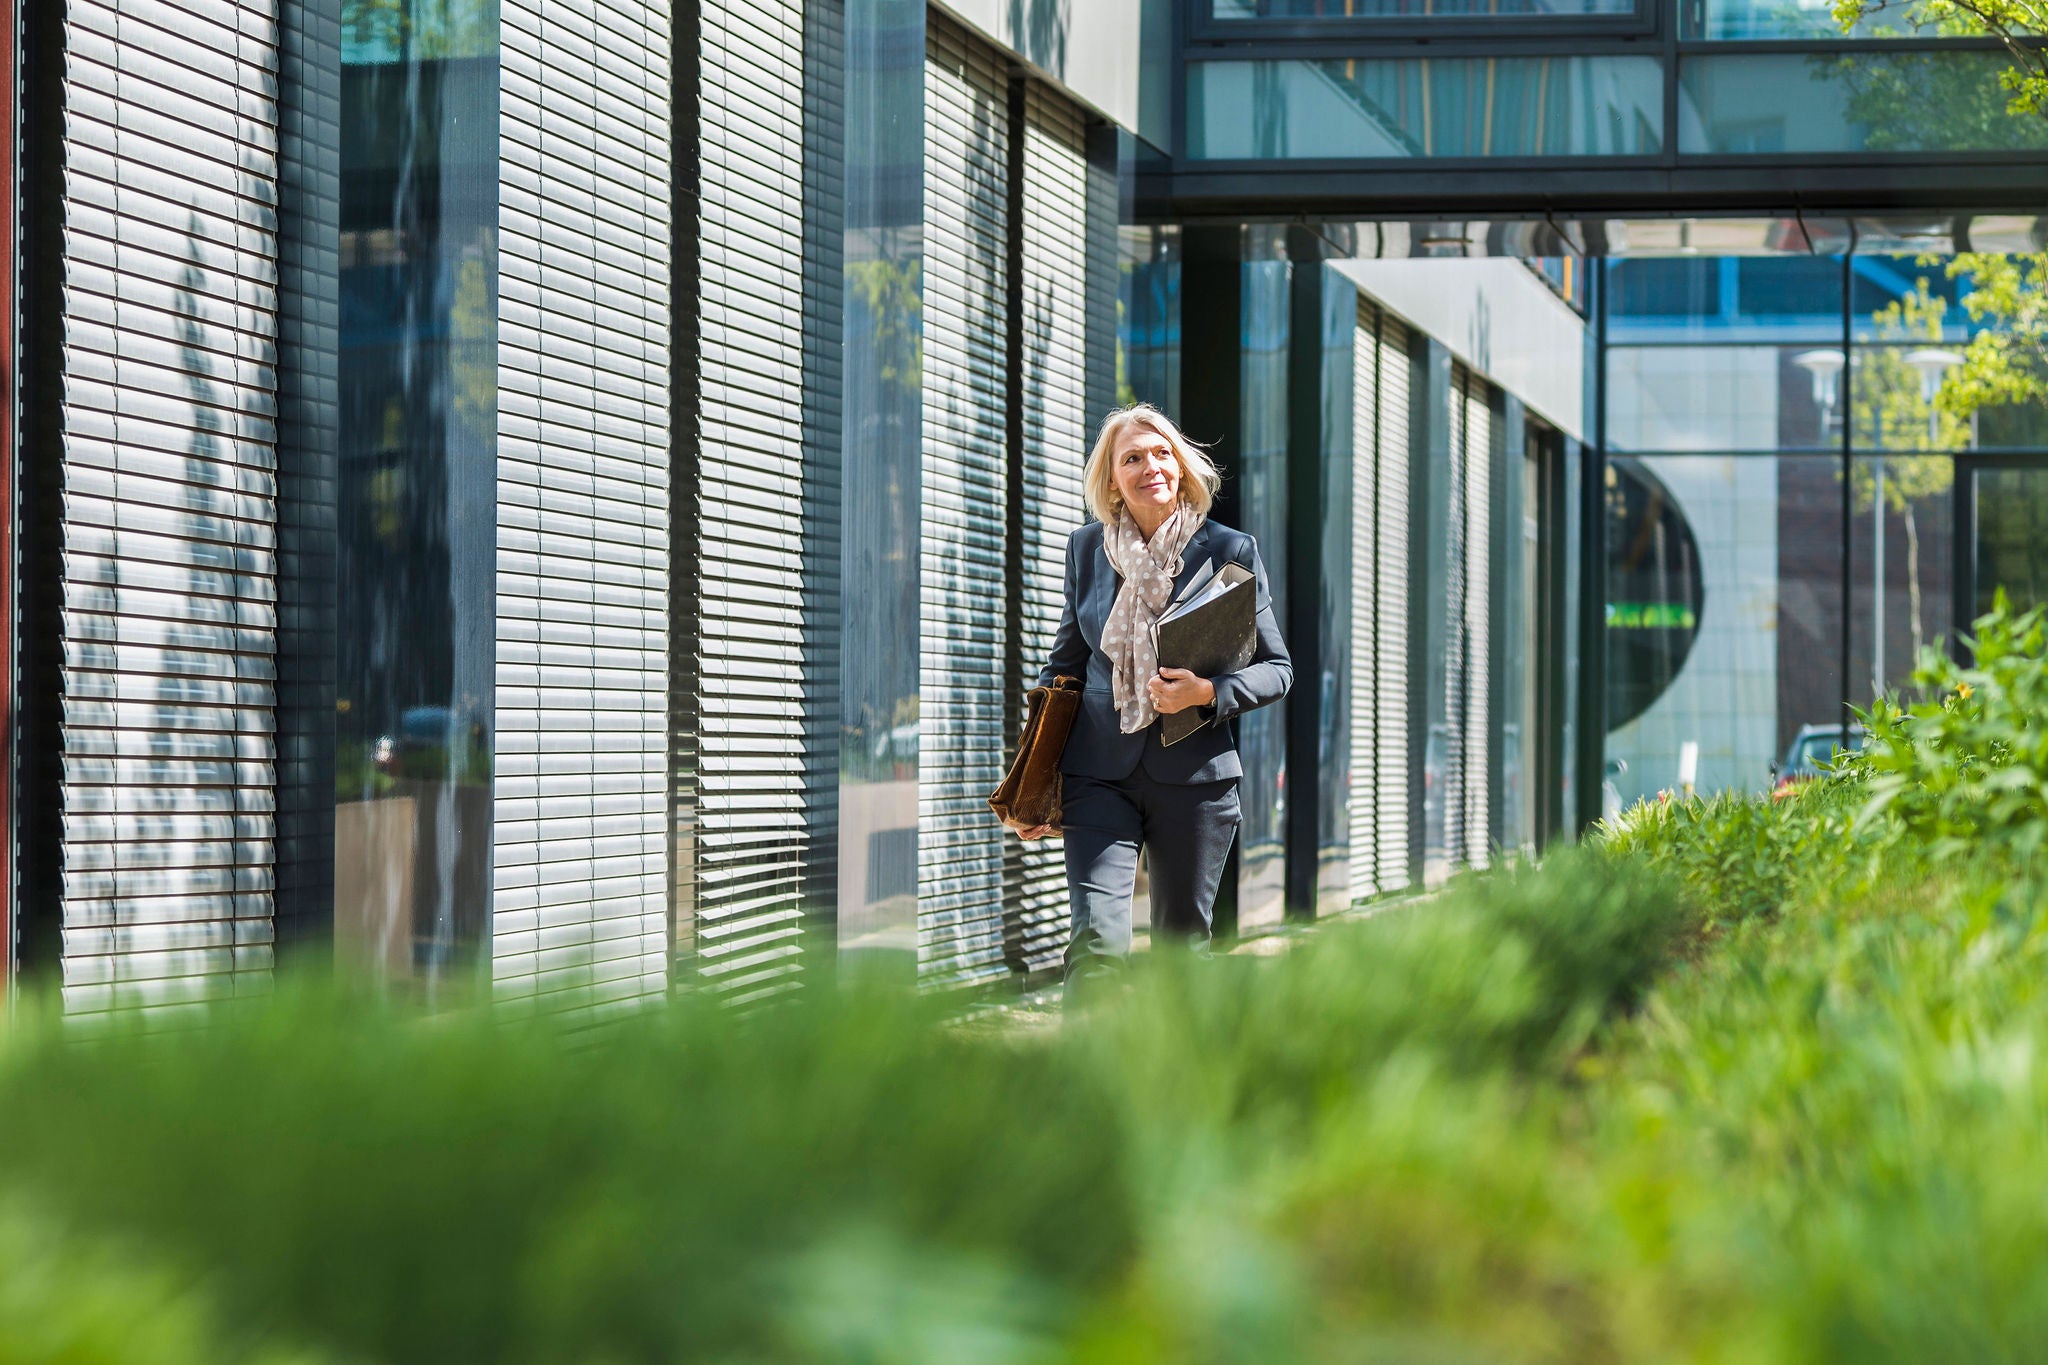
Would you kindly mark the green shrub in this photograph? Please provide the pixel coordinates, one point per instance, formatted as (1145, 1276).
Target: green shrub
(1740, 857)
(70, 1299)
(683, 1187)
(1964, 770)
(1508, 970)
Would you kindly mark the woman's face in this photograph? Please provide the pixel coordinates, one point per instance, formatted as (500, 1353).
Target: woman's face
(1147, 474)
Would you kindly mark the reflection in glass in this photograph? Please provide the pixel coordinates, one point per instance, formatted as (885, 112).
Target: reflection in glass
(1727, 298)
(1902, 537)
(1724, 617)
(1791, 19)
(417, 487)
(1261, 478)
(1521, 627)
(1443, 107)
(2012, 536)
(1714, 398)
(881, 437)
(1148, 318)
(1943, 355)
(1875, 101)
(1334, 780)
(1340, 10)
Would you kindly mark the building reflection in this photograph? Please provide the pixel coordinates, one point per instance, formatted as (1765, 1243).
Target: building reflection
(417, 487)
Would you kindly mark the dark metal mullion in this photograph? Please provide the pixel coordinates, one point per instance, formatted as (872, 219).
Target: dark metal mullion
(1668, 135)
(1591, 757)
(1177, 98)
(1963, 550)
(1848, 410)
(38, 714)
(1307, 448)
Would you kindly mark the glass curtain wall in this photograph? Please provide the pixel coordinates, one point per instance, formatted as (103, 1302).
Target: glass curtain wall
(1261, 508)
(1796, 87)
(417, 486)
(1789, 445)
(1723, 519)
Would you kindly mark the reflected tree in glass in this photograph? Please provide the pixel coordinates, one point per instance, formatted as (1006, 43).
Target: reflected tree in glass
(2014, 23)
(1939, 100)
(1895, 409)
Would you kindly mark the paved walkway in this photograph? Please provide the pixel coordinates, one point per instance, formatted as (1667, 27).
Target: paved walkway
(1039, 1010)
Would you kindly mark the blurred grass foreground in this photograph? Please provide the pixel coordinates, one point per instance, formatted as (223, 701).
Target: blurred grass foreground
(1736, 1081)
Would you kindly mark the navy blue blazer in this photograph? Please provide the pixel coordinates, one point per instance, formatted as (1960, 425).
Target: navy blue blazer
(1098, 747)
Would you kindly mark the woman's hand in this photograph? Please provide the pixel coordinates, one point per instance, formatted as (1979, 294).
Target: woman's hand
(1176, 689)
(1035, 832)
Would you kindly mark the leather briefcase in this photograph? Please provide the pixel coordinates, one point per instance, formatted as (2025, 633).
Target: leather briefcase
(1030, 793)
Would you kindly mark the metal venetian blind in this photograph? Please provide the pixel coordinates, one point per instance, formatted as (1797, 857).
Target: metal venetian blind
(741, 887)
(1478, 616)
(169, 502)
(579, 868)
(963, 685)
(1456, 645)
(1364, 813)
(1392, 780)
(1054, 382)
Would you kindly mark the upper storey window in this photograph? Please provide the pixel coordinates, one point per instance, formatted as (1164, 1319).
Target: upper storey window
(1240, 18)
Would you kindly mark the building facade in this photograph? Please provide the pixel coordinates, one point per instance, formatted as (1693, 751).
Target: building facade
(564, 499)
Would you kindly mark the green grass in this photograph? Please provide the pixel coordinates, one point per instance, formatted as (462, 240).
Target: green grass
(1743, 1082)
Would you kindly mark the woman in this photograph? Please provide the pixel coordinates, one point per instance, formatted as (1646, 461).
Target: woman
(1149, 492)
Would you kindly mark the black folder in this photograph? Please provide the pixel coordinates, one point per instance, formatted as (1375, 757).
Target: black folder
(1211, 631)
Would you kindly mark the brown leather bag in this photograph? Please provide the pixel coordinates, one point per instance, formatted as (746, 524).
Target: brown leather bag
(1030, 794)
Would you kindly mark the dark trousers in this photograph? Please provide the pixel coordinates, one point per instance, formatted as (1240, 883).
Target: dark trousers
(1186, 832)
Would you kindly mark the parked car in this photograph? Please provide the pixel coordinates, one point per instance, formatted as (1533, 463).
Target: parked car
(1810, 753)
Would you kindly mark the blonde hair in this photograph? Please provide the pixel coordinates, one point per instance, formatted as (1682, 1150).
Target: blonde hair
(1199, 478)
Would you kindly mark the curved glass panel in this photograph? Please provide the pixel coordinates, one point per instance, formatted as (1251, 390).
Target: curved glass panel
(1359, 109)
(1724, 618)
(417, 492)
(1941, 101)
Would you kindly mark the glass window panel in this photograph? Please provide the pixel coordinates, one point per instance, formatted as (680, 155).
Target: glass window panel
(1261, 476)
(1790, 290)
(1902, 537)
(1878, 284)
(1148, 317)
(1914, 330)
(1759, 299)
(1849, 102)
(1448, 107)
(1894, 397)
(416, 494)
(1724, 613)
(1790, 19)
(1722, 398)
(1340, 10)
(2012, 535)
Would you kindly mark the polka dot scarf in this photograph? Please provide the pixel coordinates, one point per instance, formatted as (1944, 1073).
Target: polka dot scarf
(1148, 568)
